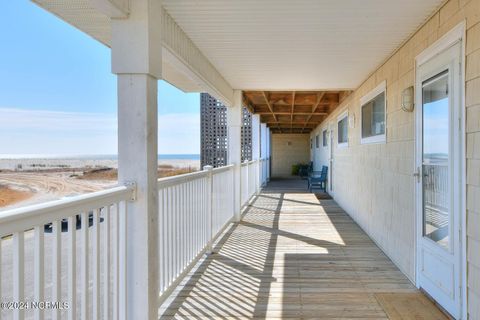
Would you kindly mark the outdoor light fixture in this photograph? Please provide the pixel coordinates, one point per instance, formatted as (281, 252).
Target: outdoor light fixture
(407, 99)
(351, 121)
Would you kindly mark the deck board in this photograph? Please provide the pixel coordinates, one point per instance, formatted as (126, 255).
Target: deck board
(291, 256)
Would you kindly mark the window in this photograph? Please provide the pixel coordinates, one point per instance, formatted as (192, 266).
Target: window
(373, 115)
(317, 141)
(324, 138)
(311, 143)
(342, 135)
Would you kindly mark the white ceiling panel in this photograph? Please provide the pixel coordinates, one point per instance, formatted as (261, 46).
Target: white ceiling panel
(302, 44)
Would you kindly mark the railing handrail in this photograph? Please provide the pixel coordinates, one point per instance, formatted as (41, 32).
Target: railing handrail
(222, 169)
(173, 180)
(248, 162)
(25, 218)
(181, 178)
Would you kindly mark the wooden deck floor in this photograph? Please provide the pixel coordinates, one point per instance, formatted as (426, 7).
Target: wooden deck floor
(292, 256)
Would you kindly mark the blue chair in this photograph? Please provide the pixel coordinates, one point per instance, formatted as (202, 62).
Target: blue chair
(319, 181)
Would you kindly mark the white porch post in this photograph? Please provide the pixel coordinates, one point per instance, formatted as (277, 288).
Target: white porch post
(263, 151)
(137, 61)
(269, 152)
(263, 133)
(256, 149)
(234, 122)
(255, 136)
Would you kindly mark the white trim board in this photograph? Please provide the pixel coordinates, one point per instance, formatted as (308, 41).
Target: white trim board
(379, 138)
(342, 116)
(456, 34)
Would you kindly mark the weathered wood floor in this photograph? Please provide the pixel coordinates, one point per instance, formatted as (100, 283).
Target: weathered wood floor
(292, 256)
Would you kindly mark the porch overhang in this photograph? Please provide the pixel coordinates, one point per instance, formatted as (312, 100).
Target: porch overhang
(293, 111)
(218, 46)
(183, 64)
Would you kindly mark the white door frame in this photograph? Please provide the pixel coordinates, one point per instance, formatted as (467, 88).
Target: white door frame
(330, 129)
(450, 38)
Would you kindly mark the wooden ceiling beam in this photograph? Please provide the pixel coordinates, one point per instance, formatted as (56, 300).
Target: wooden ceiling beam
(270, 107)
(248, 104)
(319, 98)
(293, 108)
(296, 113)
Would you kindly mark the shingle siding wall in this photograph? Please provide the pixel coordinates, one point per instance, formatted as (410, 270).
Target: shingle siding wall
(287, 150)
(374, 183)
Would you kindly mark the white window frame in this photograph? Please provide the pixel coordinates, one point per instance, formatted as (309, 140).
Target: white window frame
(317, 141)
(380, 138)
(340, 118)
(325, 131)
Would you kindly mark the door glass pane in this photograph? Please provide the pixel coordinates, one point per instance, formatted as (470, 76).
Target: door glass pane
(436, 215)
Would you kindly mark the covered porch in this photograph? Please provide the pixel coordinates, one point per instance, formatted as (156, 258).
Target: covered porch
(231, 242)
(294, 256)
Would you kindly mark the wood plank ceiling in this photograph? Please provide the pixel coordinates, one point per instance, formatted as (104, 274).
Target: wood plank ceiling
(293, 111)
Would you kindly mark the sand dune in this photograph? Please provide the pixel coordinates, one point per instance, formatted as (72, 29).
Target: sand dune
(45, 186)
(28, 181)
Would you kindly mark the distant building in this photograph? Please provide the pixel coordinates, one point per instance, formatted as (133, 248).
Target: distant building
(213, 139)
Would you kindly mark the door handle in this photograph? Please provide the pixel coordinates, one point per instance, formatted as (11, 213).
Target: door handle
(417, 174)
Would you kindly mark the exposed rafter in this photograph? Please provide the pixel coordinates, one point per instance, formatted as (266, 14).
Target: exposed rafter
(271, 109)
(314, 108)
(293, 108)
(292, 111)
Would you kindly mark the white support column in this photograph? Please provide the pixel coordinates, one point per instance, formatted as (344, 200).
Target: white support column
(263, 151)
(234, 122)
(256, 150)
(137, 61)
(269, 153)
(263, 146)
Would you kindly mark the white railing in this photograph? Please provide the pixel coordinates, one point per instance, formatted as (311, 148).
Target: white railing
(250, 180)
(194, 210)
(86, 277)
(223, 201)
(264, 170)
(42, 260)
(244, 183)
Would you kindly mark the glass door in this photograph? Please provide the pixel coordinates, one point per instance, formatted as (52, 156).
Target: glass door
(435, 159)
(438, 155)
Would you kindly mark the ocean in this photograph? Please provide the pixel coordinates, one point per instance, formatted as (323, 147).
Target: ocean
(94, 156)
(39, 162)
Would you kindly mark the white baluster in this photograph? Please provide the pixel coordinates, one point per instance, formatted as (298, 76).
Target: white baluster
(85, 275)
(96, 264)
(72, 267)
(56, 266)
(106, 265)
(18, 272)
(39, 269)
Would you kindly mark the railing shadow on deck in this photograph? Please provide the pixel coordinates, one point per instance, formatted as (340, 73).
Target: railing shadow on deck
(237, 280)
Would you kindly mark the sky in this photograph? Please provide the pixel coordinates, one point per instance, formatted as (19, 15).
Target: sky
(58, 95)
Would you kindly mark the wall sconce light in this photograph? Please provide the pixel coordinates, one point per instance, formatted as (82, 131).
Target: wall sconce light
(408, 102)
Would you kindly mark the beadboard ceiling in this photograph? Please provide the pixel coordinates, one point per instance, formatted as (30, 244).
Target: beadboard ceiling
(301, 44)
(279, 44)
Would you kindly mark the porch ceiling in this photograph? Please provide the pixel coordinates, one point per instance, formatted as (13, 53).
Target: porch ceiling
(293, 111)
(304, 45)
(298, 45)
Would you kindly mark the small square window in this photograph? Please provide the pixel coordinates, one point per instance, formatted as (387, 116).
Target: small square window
(373, 115)
(324, 138)
(342, 132)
